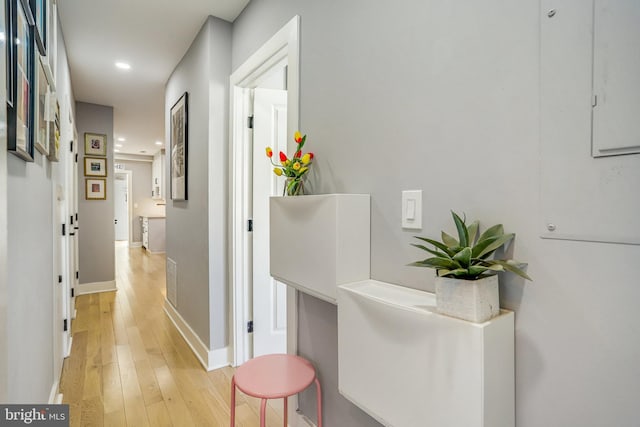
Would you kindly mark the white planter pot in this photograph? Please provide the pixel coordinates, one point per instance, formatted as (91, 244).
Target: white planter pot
(473, 300)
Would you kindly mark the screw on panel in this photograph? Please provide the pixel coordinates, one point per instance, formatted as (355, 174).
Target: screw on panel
(551, 227)
(551, 13)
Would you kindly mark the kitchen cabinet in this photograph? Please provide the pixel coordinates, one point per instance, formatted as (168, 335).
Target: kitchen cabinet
(153, 233)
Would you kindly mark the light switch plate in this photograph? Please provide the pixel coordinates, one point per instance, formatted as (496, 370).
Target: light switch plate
(412, 209)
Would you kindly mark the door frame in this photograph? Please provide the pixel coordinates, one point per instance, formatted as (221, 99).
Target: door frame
(281, 49)
(129, 200)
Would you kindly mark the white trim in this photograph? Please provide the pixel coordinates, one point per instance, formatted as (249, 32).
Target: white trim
(209, 359)
(95, 287)
(54, 396)
(130, 200)
(68, 349)
(135, 244)
(281, 49)
(297, 419)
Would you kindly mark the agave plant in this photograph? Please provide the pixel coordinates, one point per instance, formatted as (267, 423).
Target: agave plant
(468, 256)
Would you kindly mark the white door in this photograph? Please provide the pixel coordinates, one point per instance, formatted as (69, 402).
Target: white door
(269, 296)
(121, 206)
(61, 319)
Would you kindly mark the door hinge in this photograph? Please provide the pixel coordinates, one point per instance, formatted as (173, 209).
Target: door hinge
(71, 219)
(60, 278)
(71, 148)
(250, 122)
(64, 325)
(250, 326)
(76, 157)
(73, 292)
(77, 274)
(76, 216)
(250, 225)
(594, 100)
(64, 229)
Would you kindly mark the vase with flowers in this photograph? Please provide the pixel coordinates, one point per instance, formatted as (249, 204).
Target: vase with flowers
(294, 169)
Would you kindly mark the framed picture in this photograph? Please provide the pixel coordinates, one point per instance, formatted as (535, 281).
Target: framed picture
(179, 141)
(95, 166)
(96, 189)
(42, 109)
(39, 12)
(20, 91)
(95, 144)
(54, 127)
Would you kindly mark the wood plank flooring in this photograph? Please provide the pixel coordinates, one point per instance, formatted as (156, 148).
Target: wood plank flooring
(129, 366)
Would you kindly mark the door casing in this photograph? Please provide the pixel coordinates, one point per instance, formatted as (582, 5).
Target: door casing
(281, 50)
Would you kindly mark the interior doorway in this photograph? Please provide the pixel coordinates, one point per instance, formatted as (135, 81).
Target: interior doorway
(122, 205)
(279, 56)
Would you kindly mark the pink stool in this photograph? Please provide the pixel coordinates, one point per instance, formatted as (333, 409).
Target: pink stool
(274, 376)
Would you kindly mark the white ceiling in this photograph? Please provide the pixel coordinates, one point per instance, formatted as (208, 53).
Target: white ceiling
(150, 35)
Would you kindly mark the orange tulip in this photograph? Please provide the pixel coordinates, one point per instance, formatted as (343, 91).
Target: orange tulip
(297, 137)
(269, 152)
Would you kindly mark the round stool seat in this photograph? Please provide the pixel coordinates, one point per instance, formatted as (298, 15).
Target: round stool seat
(275, 376)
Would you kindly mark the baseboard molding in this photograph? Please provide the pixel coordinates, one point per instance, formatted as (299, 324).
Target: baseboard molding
(54, 396)
(210, 359)
(68, 349)
(300, 420)
(92, 288)
(135, 244)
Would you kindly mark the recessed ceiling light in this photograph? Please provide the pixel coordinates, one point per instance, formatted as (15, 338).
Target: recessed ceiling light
(116, 151)
(123, 65)
(121, 139)
(118, 145)
(158, 143)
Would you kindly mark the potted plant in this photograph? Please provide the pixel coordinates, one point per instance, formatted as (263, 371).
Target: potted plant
(466, 274)
(294, 169)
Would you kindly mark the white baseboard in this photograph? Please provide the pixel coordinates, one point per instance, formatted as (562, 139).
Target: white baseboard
(68, 352)
(210, 359)
(54, 396)
(92, 288)
(135, 244)
(300, 420)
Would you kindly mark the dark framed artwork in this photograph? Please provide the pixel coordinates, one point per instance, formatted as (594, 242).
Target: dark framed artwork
(95, 144)
(20, 80)
(39, 13)
(179, 141)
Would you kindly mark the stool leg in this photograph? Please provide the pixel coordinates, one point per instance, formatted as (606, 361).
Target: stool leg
(263, 414)
(286, 411)
(319, 402)
(233, 401)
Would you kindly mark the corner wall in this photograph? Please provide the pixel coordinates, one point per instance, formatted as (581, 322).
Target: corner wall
(444, 97)
(196, 228)
(96, 243)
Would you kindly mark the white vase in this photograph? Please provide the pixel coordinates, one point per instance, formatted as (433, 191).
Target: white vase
(473, 300)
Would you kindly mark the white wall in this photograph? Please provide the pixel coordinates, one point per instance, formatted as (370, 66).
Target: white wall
(26, 341)
(196, 230)
(4, 347)
(97, 234)
(444, 96)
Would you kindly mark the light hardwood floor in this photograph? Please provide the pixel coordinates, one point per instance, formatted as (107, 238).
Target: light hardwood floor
(129, 366)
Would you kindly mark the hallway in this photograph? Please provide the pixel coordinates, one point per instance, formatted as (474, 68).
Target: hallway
(129, 366)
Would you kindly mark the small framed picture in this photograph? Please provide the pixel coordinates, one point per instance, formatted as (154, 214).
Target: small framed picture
(95, 166)
(95, 144)
(96, 189)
